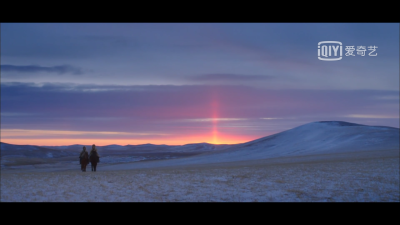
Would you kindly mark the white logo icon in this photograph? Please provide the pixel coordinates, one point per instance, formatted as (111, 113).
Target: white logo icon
(330, 50)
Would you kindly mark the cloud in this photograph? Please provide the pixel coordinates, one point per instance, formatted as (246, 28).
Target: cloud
(372, 116)
(212, 119)
(62, 69)
(31, 133)
(388, 97)
(228, 77)
(118, 41)
(174, 109)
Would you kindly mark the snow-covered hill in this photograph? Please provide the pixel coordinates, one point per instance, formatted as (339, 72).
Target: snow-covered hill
(324, 137)
(31, 151)
(320, 137)
(145, 148)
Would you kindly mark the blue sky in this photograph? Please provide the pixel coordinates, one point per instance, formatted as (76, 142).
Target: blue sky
(189, 82)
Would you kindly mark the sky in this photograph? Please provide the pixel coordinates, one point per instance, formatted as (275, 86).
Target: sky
(180, 83)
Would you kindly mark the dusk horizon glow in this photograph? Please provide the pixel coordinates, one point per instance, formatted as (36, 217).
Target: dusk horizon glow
(176, 84)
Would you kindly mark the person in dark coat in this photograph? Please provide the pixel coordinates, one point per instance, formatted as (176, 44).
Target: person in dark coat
(84, 159)
(94, 158)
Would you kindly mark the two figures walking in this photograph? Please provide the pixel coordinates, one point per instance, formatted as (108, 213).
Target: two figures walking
(92, 157)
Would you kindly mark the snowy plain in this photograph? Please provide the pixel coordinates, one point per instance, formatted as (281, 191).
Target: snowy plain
(322, 161)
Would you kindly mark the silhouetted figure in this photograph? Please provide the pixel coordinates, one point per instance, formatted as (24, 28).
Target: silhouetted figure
(94, 157)
(84, 159)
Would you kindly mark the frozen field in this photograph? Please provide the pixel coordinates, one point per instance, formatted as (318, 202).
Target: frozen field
(320, 161)
(349, 177)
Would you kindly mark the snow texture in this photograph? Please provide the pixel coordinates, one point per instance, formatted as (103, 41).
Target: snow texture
(320, 161)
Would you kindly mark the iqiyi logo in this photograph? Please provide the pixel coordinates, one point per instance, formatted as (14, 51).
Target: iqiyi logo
(332, 50)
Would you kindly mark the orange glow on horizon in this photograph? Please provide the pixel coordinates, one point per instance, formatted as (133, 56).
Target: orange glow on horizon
(214, 108)
(101, 142)
(58, 137)
(215, 123)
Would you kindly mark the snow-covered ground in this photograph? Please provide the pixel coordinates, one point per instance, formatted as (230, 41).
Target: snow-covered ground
(357, 178)
(321, 161)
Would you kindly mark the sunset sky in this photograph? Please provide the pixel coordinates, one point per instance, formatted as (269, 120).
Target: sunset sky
(180, 83)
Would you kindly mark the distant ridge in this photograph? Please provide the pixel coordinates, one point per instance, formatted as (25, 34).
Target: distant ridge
(315, 138)
(340, 123)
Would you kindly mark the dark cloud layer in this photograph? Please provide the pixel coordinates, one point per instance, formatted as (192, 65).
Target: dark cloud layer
(222, 53)
(141, 107)
(62, 69)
